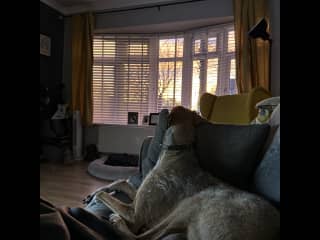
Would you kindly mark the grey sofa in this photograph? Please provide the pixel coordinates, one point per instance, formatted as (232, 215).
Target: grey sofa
(254, 150)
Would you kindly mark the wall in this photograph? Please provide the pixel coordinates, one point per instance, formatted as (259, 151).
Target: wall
(51, 24)
(173, 13)
(275, 51)
(120, 139)
(66, 71)
(127, 138)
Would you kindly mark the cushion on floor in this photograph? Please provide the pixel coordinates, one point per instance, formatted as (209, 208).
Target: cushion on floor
(99, 169)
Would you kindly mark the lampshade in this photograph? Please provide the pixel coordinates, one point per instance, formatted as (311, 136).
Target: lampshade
(260, 30)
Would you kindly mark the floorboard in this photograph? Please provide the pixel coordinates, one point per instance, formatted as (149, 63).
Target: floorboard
(67, 184)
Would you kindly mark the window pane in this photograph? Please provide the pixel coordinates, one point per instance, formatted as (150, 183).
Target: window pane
(233, 84)
(138, 49)
(195, 85)
(102, 47)
(169, 84)
(136, 88)
(171, 48)
(167, 48)
(179, 47)
(197, 46)
(212, 44)
(231, 42)
(212, 75)
(103, 91)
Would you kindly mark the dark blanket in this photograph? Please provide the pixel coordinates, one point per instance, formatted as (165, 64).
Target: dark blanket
(73, 223)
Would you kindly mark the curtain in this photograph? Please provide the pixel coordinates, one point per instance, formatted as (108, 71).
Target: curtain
(82, 37)
(252, 55)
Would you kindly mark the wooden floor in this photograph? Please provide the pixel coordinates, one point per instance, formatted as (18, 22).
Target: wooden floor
(67, 184)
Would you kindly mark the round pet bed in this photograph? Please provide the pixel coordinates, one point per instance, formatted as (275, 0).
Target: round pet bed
(99, 169)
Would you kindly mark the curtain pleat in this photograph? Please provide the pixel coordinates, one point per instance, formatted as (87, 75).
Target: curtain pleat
(82, 38)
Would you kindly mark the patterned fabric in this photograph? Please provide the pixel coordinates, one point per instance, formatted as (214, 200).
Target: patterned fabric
(265, 109)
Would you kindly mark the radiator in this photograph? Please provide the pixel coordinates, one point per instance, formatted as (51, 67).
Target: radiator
(122, 139)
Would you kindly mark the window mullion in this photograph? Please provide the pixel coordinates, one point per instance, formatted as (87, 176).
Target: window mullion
(154, 66)
(221, 65)
(186, 91)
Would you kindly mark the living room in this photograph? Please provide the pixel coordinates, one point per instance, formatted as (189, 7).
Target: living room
(146, 56)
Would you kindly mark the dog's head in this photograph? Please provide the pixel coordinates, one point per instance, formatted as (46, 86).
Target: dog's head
(182, 115)
(182, 123)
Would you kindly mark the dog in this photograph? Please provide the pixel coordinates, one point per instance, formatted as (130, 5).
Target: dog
(173, 195)
(151, 202)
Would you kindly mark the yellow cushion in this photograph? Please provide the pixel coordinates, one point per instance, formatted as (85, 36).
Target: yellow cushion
(232, 109)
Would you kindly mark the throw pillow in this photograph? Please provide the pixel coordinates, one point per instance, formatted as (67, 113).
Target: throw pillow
(267, 175)
(265, 109)
(230, 152)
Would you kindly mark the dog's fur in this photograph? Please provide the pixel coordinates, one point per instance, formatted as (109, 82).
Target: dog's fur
(178, 196)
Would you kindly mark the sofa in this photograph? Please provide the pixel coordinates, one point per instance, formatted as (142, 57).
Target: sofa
(244, 155)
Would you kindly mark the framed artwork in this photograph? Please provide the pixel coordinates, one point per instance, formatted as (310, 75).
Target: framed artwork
(45, 45)
(153, 118)
(133, 117)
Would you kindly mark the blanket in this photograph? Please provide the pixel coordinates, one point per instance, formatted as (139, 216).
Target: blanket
(64, 223)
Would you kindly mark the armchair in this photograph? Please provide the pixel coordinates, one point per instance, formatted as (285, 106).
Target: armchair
(232, 109)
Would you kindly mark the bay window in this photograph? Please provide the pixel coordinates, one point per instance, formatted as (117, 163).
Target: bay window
(146, 73)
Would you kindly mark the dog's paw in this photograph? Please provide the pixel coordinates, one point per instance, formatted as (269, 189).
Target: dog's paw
(115, 219)
(101, 195)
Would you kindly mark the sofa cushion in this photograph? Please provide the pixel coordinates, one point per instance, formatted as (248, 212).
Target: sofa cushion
(267, 176)
(230, 152)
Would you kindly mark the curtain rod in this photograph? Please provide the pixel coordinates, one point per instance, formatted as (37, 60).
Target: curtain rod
(146, 7)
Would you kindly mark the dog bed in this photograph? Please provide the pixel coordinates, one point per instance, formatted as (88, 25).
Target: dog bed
(99, 169)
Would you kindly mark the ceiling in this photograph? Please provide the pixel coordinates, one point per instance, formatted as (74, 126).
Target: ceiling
(68, 7)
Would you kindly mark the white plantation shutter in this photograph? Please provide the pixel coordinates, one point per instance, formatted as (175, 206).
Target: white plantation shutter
(121, 76)
(213, 63)
(147, 73)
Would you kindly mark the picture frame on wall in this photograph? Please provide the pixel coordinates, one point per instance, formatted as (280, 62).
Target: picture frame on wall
(133, 118)
(153, 118)
(45, 45)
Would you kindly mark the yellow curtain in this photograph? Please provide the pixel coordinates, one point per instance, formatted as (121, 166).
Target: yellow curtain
(82, 38)
(252, 55)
